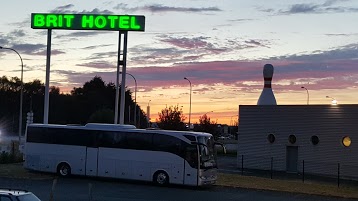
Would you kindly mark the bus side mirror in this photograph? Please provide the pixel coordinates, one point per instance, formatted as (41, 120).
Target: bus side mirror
(204, 145)
(222, 145)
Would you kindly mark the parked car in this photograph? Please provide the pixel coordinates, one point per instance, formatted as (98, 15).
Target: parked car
(17, 195)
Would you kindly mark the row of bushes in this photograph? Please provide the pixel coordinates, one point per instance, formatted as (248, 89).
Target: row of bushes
(6, 157)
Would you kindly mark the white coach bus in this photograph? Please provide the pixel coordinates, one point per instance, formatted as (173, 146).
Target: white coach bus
(122, 151)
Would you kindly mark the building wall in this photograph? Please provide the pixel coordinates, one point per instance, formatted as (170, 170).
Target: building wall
(330, 123)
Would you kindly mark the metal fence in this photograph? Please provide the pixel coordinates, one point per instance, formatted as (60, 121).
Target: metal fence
(275, 168)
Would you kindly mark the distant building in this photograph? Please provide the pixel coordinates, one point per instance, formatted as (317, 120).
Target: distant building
(323, 136)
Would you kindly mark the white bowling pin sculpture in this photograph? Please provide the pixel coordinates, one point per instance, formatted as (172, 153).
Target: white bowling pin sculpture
(267, 97)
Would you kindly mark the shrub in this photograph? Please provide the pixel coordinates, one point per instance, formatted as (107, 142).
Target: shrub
(6, 157)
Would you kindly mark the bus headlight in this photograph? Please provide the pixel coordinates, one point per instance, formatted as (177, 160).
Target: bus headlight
(208, 164)
(203, 177)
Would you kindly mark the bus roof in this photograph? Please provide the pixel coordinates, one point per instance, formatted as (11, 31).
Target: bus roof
(114, 126)
(93, 126)
(172, 132)
(120, 127)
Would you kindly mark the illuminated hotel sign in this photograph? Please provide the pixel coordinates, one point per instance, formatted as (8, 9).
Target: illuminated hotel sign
(87, 22)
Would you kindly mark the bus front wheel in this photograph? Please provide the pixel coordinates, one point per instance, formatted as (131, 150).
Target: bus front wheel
(64, 169)
(161, 178)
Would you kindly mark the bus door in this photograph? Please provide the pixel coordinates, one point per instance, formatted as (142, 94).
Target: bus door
(191, 165)
(91, 161)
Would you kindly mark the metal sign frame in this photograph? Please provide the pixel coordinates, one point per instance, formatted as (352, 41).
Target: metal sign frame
(120, 23)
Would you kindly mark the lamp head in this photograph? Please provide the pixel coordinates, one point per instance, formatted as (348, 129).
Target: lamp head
(185, 78)
(302, 87)
(1, 47)
(327, 97)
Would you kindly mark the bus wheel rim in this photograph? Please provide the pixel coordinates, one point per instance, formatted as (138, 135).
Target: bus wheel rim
(161, 178)
(64, 171)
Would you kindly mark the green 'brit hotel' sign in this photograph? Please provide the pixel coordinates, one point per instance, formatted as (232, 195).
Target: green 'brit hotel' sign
(87, 22)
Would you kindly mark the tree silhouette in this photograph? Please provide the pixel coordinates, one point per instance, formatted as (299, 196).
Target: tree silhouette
(171, 118)
(205, 125)
(93, 96)
(74, 108)
(102, 116)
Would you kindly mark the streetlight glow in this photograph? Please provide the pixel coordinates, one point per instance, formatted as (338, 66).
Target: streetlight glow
(21, 90)
(190, 101)
(334, 101)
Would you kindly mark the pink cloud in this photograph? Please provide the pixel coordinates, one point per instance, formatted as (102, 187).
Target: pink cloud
(187, 43)
(241, 75)
(237, 72)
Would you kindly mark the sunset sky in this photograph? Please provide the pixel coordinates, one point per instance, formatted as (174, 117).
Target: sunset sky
(220, 46)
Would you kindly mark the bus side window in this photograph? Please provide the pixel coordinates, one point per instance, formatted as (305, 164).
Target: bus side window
(191, 155)
(140, 141)
(38, 135)
(92, 141)
(118, 139)
(106, 139)
(168, 144)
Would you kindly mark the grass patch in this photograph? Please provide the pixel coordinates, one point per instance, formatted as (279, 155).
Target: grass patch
(250, 182)
(16, 170)
(6, 157)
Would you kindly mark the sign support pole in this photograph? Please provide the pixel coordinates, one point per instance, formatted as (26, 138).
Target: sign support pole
(47, 83)
(124, 72)
(117, 79)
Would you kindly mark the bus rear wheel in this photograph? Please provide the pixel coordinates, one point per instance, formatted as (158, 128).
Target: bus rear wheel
(161, 178)
(64, 170)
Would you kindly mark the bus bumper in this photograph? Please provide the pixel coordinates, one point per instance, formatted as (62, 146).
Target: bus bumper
(203, 182)
(207, 177)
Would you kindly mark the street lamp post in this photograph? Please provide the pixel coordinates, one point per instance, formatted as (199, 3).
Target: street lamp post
(190, 101)
(21, 90)
(148, 113)
(135, 98)
(208, 112)
(308, 95)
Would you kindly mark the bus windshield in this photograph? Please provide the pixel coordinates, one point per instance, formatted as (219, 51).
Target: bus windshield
(207, 153)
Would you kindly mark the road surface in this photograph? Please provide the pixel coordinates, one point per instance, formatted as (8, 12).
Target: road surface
(77, 189)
